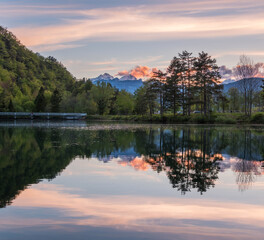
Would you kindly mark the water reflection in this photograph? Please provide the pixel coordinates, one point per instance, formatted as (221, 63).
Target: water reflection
(181, 219)
(191, 157)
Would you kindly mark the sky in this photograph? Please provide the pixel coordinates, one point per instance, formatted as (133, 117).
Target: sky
(119, 36)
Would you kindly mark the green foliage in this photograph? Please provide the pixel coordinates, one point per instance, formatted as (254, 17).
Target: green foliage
(40, 101)
(242, 118)
(141, 106)
(207, 80)
(29, 106)
(23, 73)
(4, 101)
(257, 118)
(125, 102)
(55, 101)
(198, 118)
(219, 118)
(150, 97)
(11, 106)
(234, 99)
(102, 93)
(224, 120)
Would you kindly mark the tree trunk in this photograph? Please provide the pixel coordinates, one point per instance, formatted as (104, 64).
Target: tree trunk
(205, 104)
(250, 103)
(161, 104)
(245, 103)
(174, 107)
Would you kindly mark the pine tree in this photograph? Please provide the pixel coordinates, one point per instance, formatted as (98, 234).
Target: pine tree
(188, 79)
(150, 97)
(40, 101)
(55, 101)
(11, 106)
(141, 104)
(158, 86)
(173, 84)
(207, 80)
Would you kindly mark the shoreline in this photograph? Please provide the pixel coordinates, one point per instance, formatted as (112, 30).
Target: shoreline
(257, 119)
(214, 119)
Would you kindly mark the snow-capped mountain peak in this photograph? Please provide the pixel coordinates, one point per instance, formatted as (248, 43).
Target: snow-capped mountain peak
(127, 82)
(128, 77)
(105, 76)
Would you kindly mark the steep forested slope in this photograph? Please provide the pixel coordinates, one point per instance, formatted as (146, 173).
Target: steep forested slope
(23, 72)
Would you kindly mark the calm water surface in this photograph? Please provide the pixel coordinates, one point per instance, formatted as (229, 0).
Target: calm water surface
(129, 181)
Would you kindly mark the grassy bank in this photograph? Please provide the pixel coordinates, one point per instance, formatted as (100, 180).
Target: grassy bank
(214, 118)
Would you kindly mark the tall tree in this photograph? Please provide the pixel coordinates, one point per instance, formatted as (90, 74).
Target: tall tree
(40, 101)
(11, 106)
(223, 101)
(245, 71)
(102, 93)
(150, 97)
(174, 90)
(258, 100)
(188, 80)
(125, 102)
(234, 99)
(207, 80)
(141, 104)
(113, 108)
(55, 101)
(158, 86)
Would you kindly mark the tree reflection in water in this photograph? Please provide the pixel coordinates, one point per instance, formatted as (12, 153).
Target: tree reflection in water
(191, 157)
(188, 159)
(247, 172)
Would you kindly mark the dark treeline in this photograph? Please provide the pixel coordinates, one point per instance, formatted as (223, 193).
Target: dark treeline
(190, 157)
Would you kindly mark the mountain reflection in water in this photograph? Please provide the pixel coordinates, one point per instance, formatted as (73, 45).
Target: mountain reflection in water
(191, 157)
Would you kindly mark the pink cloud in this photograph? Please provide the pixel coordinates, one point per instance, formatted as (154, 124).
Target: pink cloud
(139, 72)
(138, 163)
(123, 73)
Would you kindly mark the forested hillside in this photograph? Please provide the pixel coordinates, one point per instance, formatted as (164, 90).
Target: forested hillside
(23, 73)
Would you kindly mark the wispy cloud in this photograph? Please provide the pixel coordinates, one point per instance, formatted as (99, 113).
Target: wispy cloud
(147, 22)
(239, 53)
(53, 47)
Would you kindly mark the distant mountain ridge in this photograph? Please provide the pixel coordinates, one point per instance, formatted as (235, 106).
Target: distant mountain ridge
(227, 81)
(127, 82)
(236, 84)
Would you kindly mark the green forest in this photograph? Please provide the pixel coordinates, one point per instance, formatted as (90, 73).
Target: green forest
(30, 82)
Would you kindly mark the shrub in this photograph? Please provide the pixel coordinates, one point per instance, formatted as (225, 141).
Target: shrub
(225, 120)
(242, 118)
(198, 119)
(257, 118)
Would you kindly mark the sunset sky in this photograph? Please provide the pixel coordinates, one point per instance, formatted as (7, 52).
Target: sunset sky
(93, 37)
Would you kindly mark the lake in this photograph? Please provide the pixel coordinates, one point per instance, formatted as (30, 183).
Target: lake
(78, 180)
